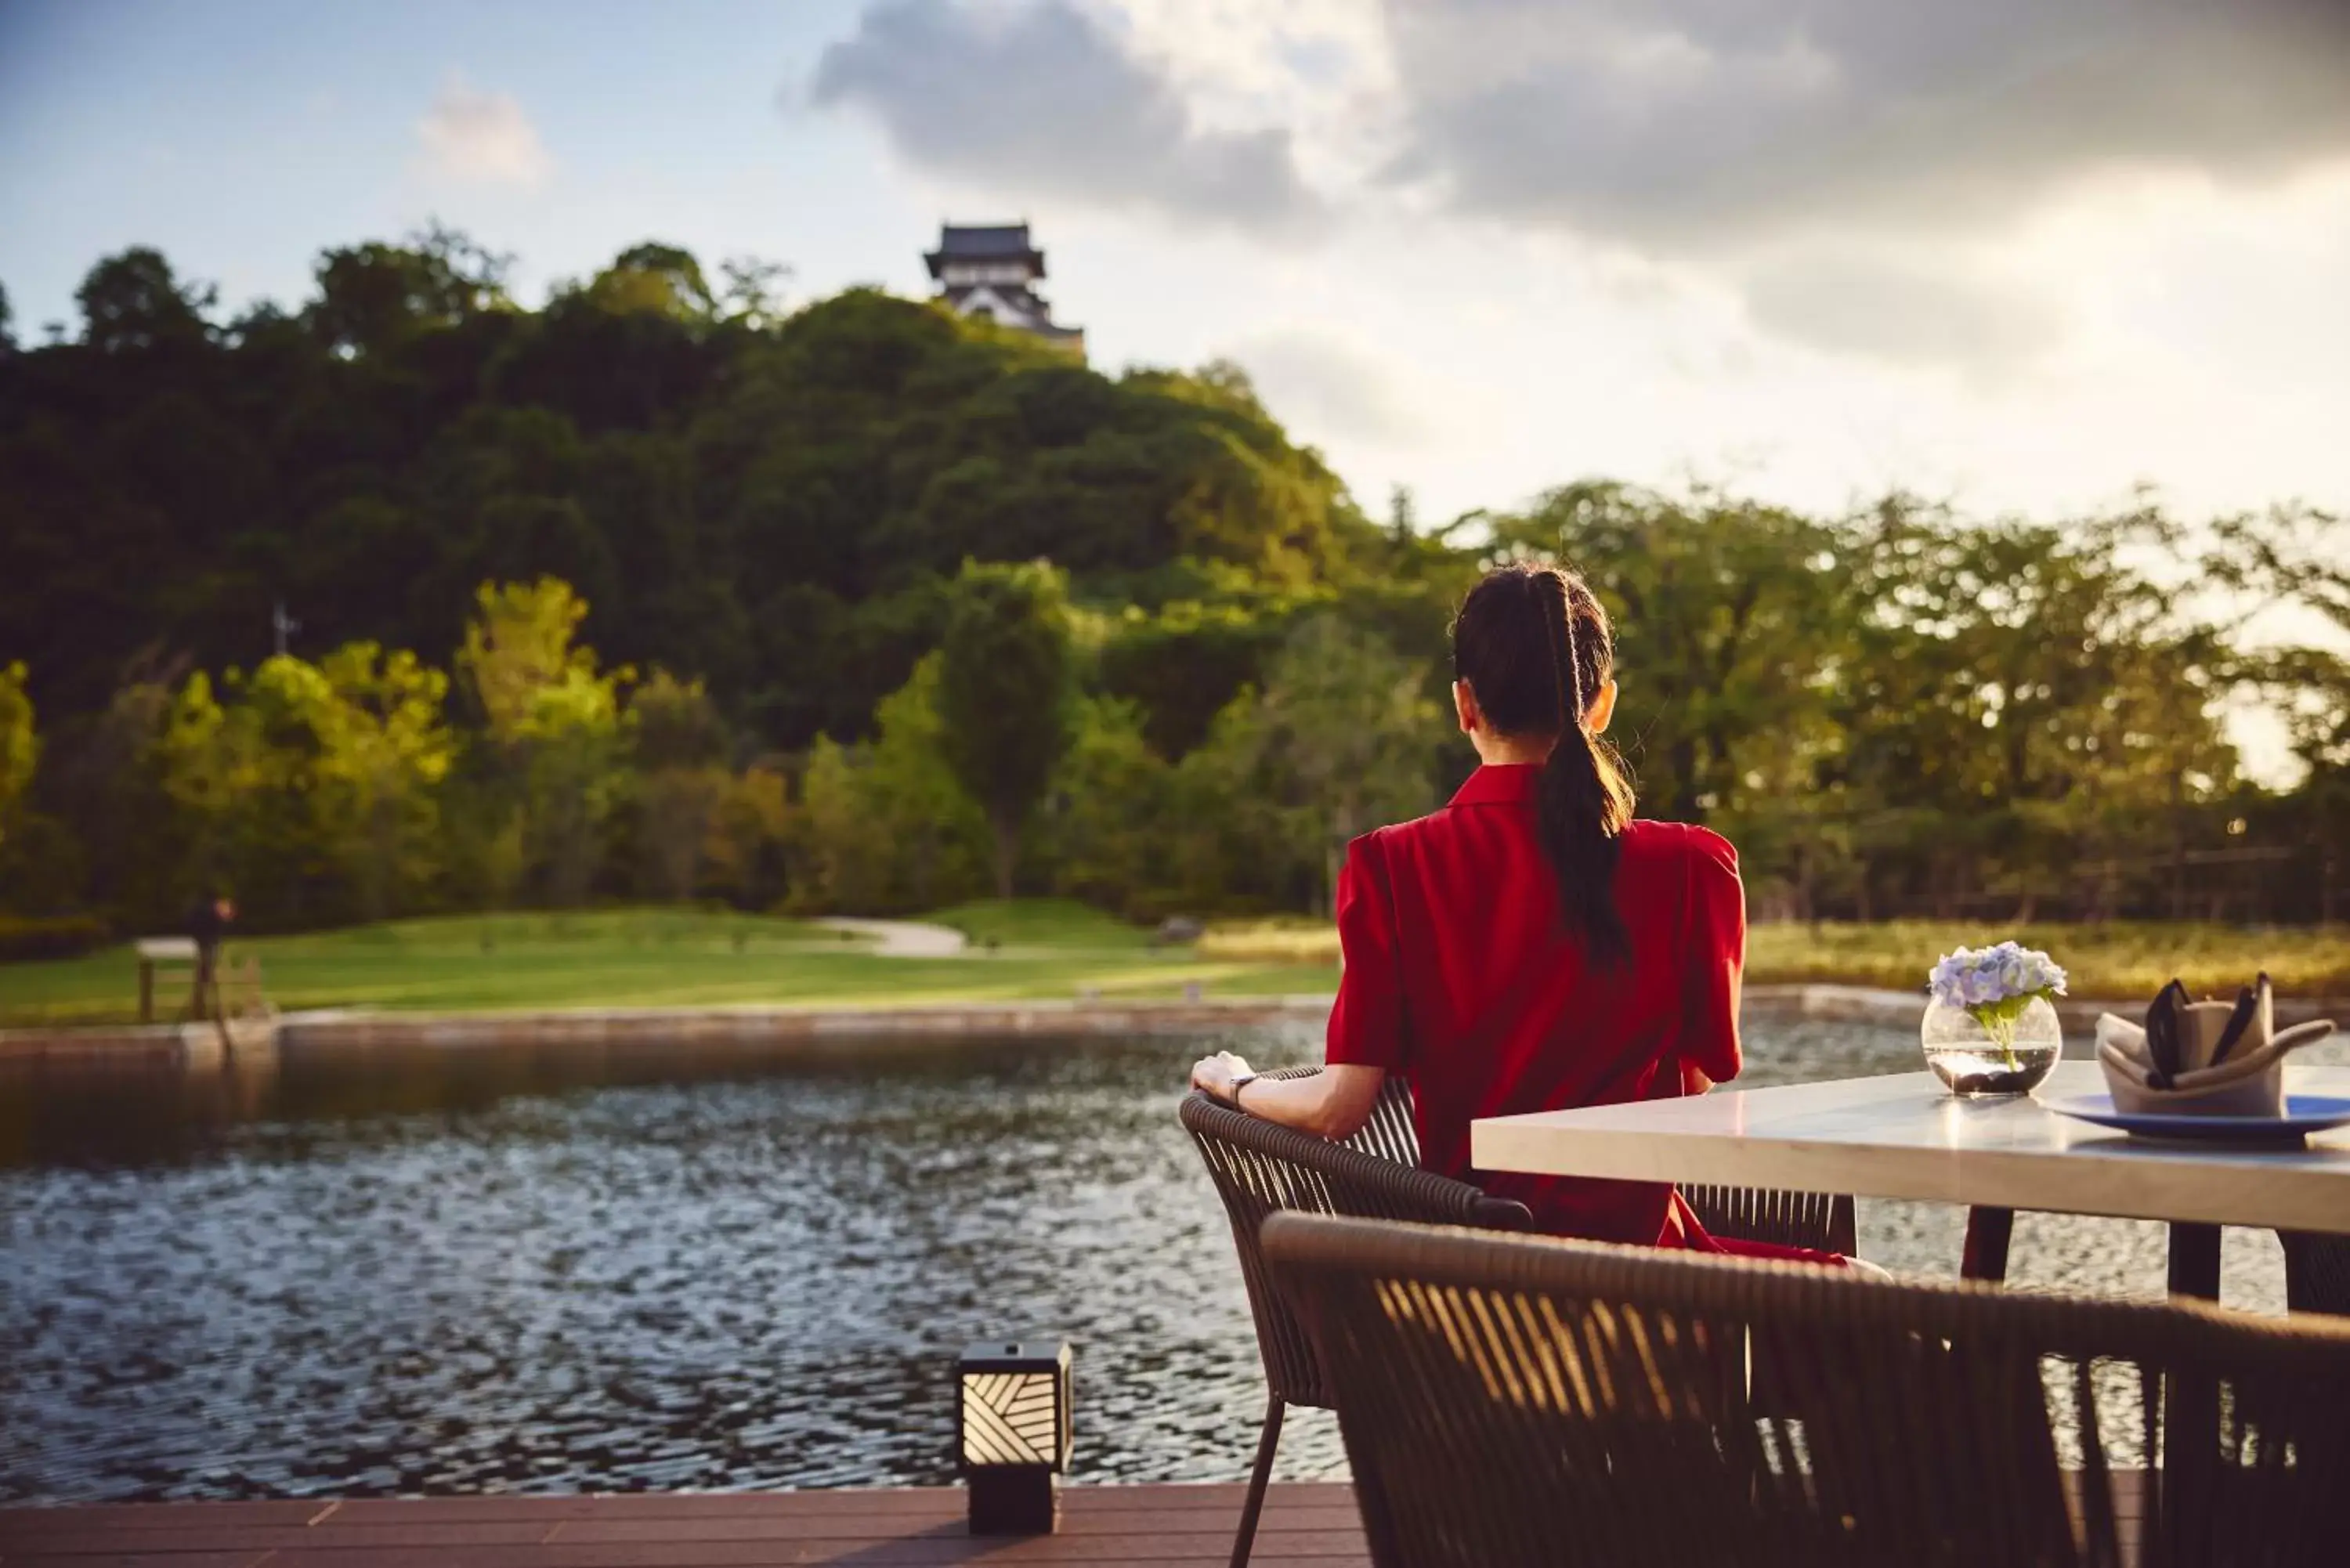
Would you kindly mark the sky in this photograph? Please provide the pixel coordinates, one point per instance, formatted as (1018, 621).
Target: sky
(2023, 258)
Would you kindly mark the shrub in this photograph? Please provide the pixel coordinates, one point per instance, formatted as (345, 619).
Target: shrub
(50, 936)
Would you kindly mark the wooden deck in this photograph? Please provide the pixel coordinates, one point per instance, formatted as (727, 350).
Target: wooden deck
(1100, 1524)
(903, 1527)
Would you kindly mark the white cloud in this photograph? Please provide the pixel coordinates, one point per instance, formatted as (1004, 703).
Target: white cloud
(1046, 99)
(481, 137)
(1889, 304)
(1686, 124)
(1327, 388)
(2024, 256)
(1855, 173)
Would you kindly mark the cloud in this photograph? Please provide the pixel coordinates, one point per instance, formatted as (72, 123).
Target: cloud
(1328, 386)
(1849, 165)
(481, 137)
(1041, 101)
(1891, 308)
(1866, 176)
(1691, 123)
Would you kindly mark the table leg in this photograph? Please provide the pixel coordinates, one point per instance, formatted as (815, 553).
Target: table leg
(2190, 1406)
(1989, 1230)
(2195, 1260)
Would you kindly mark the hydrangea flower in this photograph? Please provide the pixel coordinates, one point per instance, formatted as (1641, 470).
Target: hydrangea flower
(1994, 985)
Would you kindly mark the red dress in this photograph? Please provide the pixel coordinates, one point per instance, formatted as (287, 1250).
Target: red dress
(1460, 976)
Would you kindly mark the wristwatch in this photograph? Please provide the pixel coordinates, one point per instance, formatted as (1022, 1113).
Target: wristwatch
(1240, 1083)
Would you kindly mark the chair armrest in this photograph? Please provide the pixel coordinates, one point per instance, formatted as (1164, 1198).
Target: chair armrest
(1351, 1181)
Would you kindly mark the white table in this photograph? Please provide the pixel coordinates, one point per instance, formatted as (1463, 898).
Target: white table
(1906, 1136)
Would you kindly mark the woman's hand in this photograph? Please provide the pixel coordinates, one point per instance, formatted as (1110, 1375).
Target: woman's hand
(1213, 1074)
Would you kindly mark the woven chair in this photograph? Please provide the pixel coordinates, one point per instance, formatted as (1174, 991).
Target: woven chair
(1819, 1220)
(1260, 1167)
(1527, 1400)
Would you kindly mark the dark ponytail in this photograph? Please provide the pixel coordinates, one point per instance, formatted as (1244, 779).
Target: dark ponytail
(1532, 643)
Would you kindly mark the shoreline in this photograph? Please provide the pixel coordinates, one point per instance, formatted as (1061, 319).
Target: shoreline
(827, 1029)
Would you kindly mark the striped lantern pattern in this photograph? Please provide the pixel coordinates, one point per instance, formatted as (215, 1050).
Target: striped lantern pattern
(1011, 1418)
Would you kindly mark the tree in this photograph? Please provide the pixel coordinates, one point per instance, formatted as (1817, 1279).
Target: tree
(373, 297)
(310, 788)
(389, 750)
(888, 826)
(1107, 831)
(753, 290)
(748, 850)
(42, 869)
(1725, 615)
(1004, 685)
(132, 301)
(680, 748)
(1348, 724)
(657, 279)
(105, 783)
(554, 724)
(20, 744)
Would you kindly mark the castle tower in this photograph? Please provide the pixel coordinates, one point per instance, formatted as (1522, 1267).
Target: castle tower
(990, 270)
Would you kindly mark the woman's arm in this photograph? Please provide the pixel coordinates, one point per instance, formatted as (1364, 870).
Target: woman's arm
(1366, 1034)
(1334, 1103)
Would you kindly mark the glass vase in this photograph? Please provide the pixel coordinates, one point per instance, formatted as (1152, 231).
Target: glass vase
(1977, 1059)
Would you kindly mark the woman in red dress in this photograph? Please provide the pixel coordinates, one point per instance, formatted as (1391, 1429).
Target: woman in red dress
(1532, 946)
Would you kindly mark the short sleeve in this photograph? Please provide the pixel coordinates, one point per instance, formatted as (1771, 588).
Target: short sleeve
(1367, 1025)
(1714, 945)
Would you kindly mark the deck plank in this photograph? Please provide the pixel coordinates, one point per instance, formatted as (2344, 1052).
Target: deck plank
(1177, 1526)
(1312, 1524)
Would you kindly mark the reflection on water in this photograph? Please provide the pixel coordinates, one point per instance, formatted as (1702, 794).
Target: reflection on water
(656, 1267)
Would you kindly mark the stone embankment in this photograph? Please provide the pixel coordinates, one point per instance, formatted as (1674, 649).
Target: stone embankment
(858, 1030)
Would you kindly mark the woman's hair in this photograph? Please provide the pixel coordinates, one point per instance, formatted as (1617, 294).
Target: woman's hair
(1532, 643)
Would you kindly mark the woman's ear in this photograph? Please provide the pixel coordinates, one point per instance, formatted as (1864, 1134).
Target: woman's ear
(1464, 707)
(1601, 710)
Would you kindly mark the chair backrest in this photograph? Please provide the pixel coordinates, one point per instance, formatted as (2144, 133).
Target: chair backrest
(1260, 1167)
(1514, 1400)
(1819, 1220)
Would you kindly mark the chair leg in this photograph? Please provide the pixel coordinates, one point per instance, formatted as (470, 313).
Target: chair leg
(2317, 1272)
(1257, 1480)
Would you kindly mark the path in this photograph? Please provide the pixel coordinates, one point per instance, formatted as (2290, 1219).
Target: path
(904, 939)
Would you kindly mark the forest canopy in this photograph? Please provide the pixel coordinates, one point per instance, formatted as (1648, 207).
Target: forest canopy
(410, 597)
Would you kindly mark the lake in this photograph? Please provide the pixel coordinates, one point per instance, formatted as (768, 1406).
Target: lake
(650, 1267)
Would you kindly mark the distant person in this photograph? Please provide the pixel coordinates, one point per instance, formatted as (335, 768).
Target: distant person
(208, 922)
(1529, 947)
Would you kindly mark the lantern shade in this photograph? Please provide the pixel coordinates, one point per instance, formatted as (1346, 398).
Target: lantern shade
(1012, 1435)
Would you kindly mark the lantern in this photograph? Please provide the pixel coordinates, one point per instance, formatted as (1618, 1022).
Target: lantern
(1012, 1421)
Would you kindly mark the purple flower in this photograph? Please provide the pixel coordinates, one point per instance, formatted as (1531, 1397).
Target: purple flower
(1971, 978)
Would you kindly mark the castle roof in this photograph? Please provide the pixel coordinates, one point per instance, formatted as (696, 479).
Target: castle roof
(984, 242)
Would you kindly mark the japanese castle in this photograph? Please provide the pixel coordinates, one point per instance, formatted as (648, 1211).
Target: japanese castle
(991, 271)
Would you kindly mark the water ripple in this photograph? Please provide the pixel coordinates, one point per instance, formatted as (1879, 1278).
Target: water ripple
(657, 1268)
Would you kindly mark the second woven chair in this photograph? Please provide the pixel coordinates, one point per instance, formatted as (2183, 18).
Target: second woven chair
(1512, 1401)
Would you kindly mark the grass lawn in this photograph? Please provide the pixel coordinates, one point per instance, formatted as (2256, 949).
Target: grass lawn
(1043, 949)
(666, 958)
(2124, 960)
(2120, 962)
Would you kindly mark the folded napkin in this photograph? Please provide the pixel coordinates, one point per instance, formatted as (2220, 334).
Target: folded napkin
(2202, 1058)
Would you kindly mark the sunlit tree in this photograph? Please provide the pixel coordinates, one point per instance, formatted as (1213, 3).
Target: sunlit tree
(553, 720)
(20, 744)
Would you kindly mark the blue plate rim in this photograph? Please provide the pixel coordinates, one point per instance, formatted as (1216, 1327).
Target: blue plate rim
(2324, 1112)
